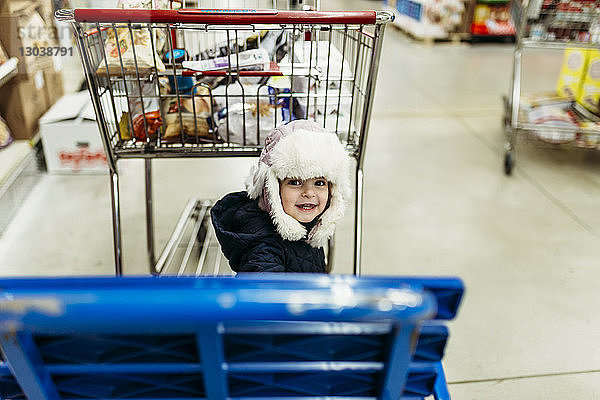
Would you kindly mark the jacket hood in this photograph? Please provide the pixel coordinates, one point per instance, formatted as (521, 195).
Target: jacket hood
(301, 149)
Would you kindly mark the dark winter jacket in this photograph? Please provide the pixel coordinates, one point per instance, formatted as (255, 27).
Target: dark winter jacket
(251, 244)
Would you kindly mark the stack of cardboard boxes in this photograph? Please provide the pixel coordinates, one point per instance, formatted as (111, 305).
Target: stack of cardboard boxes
(27, 27)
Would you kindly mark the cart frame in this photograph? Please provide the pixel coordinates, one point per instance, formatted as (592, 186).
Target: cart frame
(229, 21)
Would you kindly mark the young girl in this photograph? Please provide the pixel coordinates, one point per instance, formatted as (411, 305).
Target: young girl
(295, 196)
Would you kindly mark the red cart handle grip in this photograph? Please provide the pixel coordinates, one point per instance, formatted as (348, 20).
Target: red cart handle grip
(225, 17)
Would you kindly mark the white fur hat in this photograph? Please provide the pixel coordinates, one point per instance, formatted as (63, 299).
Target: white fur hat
(301, 149)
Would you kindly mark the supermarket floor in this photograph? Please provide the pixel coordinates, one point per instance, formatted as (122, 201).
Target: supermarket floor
(436, 203)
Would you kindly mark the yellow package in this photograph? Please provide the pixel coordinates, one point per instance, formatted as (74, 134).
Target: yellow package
(572, 72)
(590, 90)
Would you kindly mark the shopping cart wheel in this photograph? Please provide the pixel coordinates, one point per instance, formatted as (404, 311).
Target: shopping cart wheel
(509, 162)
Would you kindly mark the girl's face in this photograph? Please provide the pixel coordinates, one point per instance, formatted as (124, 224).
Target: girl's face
(304, 199)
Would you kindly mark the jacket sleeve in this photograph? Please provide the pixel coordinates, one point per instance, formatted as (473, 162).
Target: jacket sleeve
(262, 257)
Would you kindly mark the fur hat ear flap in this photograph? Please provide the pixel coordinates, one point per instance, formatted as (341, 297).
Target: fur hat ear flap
(330, 217)
(288, 227)
(255, 181)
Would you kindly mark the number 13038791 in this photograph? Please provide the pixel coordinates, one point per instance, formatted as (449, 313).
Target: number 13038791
(46, 51)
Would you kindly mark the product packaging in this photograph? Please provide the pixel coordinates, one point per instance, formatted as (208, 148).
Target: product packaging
(256, 59)
(190, 117)
(144, 54)
(554, 123)
(572, 73)
(144, 117)
(590, 89)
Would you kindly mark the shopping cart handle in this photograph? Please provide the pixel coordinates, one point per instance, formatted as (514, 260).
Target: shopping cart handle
(212, 17)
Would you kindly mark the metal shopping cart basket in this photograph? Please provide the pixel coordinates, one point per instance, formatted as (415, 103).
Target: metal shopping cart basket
(214, 82)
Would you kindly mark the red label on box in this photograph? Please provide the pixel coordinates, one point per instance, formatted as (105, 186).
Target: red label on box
(81, 158)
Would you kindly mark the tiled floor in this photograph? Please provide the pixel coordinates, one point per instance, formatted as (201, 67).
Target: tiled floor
(436, 203)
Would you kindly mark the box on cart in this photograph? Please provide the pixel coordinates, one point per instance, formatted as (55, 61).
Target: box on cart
(70, 136)
(589, 95)
(572, 72)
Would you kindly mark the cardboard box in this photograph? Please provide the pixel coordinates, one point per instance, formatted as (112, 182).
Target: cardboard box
(589, 95)
(572, 72)
(47, 11)
(22, 103)
(26, 35)
(54, 86)
(70, 136)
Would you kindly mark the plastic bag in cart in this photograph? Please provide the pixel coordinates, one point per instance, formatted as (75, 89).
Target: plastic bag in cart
(253, 107)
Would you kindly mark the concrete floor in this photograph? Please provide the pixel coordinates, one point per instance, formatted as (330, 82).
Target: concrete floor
(436, 203)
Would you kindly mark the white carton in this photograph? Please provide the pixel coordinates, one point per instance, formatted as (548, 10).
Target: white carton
(70, 136)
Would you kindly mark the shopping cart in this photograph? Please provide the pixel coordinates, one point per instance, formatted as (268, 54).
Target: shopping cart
(311, 337)
(564, 117)
(214, 82)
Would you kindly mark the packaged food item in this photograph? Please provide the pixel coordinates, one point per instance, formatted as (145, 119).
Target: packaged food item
(173, 60)
(256, 59)
(119, 48)
(572, 73)
(492, 19)
(190, 116)
(279, 91)
(553, 124)
(589, 135)
(589, 94)
(144, 117)
(5, 136)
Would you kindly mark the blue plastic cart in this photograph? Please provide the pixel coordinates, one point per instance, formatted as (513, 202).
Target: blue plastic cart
(247, 337)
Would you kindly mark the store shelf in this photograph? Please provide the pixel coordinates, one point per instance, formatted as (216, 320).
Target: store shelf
(8, 70)
(12, 156)
(18, 175)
